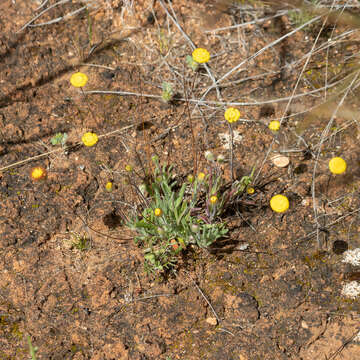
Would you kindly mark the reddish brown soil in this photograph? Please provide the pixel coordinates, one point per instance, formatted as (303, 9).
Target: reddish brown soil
(280, 298)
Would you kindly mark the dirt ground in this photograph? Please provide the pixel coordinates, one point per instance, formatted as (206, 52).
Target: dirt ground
(71, 276)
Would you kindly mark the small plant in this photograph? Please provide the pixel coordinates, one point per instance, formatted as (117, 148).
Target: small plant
(167, 92)
(59, 139)
(173, 217)
(191, 63)
(303, 15)
(80, 242)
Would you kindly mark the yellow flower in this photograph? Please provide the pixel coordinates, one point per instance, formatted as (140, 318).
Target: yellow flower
(232, 114)
(38, 173)
(128, 168)
(201, 176)
(109, 186)
(274, 125)
(213, 199)
(201, 55)
(157, 212)
(337, 165)
(279, 203)
(78, 79)
(250, 190)
(89, 139)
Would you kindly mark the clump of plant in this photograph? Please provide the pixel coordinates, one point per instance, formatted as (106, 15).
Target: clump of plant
(167, 92)
(173, 216)
(59, 139)
(304, 14)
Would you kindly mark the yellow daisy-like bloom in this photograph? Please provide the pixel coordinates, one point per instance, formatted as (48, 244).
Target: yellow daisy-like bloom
(213, 199)
(128, 168)
(38, 173)
(201, 55)
(89, 139)
(201, 176)
(232, 115)
(109, 186)
(157, 212)
(250, 190)
(78, 79)
(337, 165)
(274, 125)
(279, 203)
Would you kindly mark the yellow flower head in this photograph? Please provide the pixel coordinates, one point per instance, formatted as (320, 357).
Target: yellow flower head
(274, 125)
(201, 176)
(213, 199)
(232, 115)
(157, 212)
(201, 55)
(250, 190)
(337, 165)
(128, 168)
(78, 79)
(109, 186)
(279, 203)
(38, 173)
(89, 139)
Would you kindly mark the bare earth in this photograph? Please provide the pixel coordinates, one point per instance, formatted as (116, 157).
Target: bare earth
(71, 276)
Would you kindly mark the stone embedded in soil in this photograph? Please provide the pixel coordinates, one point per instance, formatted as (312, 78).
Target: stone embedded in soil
(280, 160)
(212, 321)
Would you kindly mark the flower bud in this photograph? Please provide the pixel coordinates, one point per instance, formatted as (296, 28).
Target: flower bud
(209, 156)
(220, 158)
(195, 228)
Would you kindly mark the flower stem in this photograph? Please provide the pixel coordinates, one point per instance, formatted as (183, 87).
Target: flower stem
(231, 152)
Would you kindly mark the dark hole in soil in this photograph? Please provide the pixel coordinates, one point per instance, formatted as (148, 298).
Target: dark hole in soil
(144, 125)
(109, 75)
(150, 19)
(340, 246)
(176, 99)
(300, 169)
(267, 110)
(112, 220)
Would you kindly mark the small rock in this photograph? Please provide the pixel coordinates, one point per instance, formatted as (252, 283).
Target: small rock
(211, 321)
(304, 325)
(280, 160)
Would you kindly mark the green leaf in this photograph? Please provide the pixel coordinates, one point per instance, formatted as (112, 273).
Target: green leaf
(180, 196)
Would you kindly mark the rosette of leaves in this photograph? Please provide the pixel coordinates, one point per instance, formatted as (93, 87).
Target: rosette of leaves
(183, 220)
